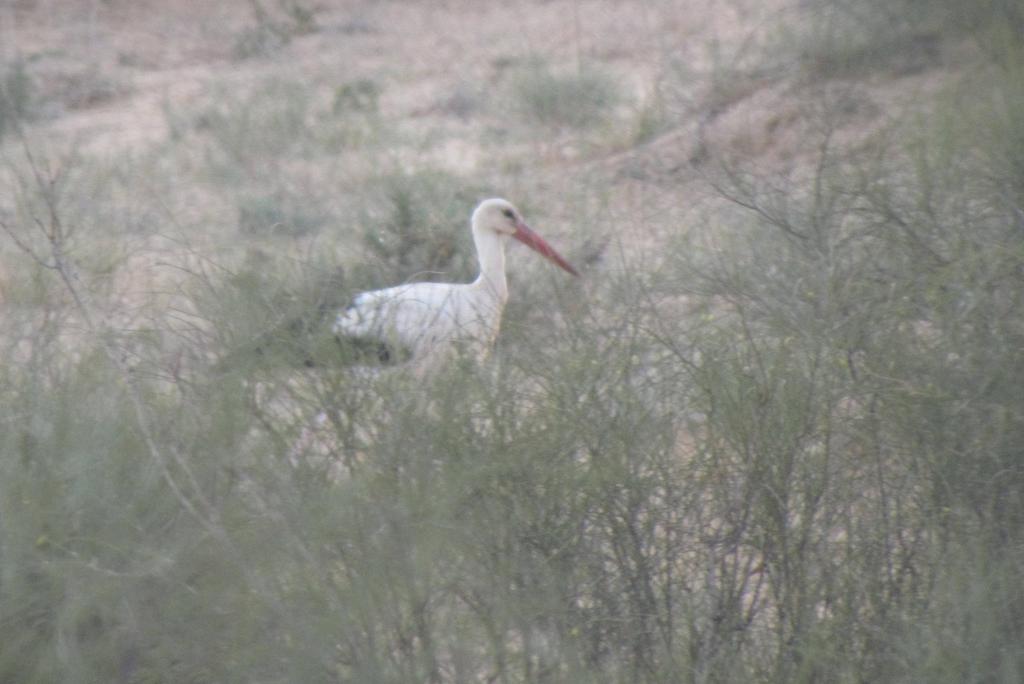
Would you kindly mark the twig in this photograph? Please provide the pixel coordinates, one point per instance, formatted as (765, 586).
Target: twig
(57, 235)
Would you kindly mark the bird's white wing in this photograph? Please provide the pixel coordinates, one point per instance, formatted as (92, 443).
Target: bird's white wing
(412, 316)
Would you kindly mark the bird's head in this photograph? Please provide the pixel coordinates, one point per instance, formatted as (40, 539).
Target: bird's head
(500, 217)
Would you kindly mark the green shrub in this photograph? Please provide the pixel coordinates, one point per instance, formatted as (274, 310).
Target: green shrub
(875, 302)
(361, 95)
(16, 94)
(847, 38)
(844, 38)
(279, 213)
(273, 29)
(415, 226)
(272, 120)
(251, 135)
(572, 99)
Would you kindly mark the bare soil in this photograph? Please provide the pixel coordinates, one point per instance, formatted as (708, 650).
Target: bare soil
(110, 75)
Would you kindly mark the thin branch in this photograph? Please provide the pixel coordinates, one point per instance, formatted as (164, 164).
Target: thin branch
(57, 236)
(25, 247)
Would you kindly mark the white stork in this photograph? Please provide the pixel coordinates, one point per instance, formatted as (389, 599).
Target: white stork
(430, 321)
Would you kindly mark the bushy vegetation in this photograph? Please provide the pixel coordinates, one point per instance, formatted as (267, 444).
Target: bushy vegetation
(273, 28)
(414, 227)
(576, 99)
(15, 94)
(843, 38)
(788, 449)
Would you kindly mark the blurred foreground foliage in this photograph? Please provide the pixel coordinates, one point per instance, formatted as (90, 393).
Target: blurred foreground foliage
(791, 452)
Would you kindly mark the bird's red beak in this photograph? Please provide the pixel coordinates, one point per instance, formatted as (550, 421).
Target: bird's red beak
(535, 242)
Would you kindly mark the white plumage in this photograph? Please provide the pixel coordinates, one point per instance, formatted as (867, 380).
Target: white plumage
(431, 321)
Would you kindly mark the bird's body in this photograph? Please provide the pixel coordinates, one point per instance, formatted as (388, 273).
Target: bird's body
(432, 321)
(426, 319)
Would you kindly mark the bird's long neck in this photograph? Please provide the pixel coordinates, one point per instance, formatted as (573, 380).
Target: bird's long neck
(490, 250)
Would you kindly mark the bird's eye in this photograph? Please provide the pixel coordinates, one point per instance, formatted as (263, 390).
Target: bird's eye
(508, 213)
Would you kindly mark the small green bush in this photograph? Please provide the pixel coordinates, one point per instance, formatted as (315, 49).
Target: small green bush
(572, 99)
(273, 30)
(848, 38)
(16, 94)
(279, 213)
(273, 120)
(415, 226)
(361, 95)
(250, 135)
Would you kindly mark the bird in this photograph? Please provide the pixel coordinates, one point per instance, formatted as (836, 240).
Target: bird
(426, 324)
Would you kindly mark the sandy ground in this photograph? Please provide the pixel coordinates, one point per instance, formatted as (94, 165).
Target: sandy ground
(107, 73)
(107, 70)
